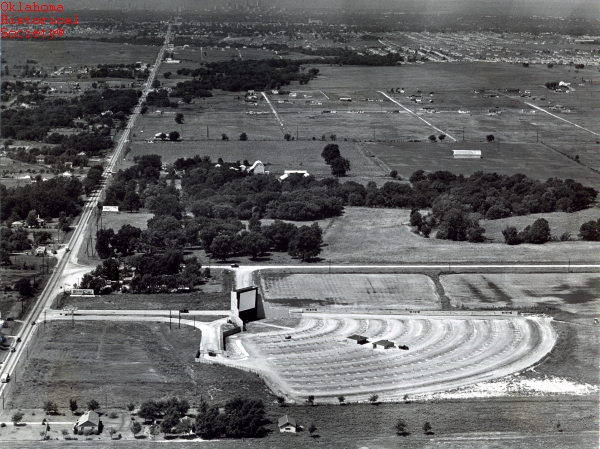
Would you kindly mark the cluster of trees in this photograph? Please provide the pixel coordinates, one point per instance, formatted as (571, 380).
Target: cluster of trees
(93, 179)
(171, 411)
(49, 198)
(339, 165)
(242, 418)
(538, 233)
(350, 57)
(590, 231)
(235, 76)
(122, 243)
(160, 99)
(131, 71)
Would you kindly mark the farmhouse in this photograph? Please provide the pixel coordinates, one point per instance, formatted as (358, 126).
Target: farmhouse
(359, 339)
(467, 154)
(40, 158)
(383, 344)
(88, 421)
(287, 424)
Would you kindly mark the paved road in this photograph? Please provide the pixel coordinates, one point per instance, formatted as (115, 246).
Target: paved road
(67, 263)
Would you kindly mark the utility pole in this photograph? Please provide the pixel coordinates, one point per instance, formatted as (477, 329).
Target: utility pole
(169, 320)
(180, 319)
(207, 135)
(537, 135)
(463, 133)
(297, 138)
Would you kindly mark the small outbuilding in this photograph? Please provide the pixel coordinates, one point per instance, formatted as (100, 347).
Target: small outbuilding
(287, 424)
(467, 154)
(359, 339)
(257, 168)
(287, 173)
(383, 344)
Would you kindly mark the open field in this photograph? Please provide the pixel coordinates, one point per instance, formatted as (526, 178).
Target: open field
(444, 353)
(121, 363)
(75, 54)
(277, 156)
(537, 161)
(577, 293)
(382, 236)
(157, 301)
(116, 220)
(560, 222)
(355, 291)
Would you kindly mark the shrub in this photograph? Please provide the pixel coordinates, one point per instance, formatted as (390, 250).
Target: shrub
(394, 174)
(113, 415)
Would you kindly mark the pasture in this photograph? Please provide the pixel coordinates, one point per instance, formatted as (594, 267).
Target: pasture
(364, 235)
(444, 353)
(75, 54)
(277, 156)
(351, 291)
(117, 363)
(576, 293)
(537, 161)
(559, 222)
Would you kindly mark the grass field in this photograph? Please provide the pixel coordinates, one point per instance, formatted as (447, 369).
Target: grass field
(190, 301)
(534, 160)
(382, 236)
(352, 291)
(75, 54)
(576, 293)
(121, 363)
(560, 222)
(277, 156)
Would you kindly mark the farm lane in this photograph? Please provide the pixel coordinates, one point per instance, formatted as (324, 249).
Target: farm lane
(560, 118)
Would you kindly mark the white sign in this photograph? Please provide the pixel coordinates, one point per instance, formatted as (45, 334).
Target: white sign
(82, 292)
(110, 208)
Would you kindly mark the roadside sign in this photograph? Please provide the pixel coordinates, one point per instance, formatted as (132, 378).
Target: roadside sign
(110, 208)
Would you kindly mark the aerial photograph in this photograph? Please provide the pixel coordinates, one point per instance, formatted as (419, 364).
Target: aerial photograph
(345, 224)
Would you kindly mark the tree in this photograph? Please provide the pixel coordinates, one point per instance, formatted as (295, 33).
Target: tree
(538, 233)
(416, 219)
(442, 136)
(373, 398)
(243, 136)
(31, 219)
(311, 399)
(490, 137)
(174, 136)
(590, 231)
(170, 420)
(255, 244)
(401, 428)
(24, 287)
(149, 410)
(155, 84)
(208, 421)
(511, 236)
(50, 408)
(394, 174)
(136, 428)
(432, 138)
(144, 109)
(73, 405)
(93, 405)
(340, 166)
(281, 401)
(112, 432)
(224, 137)
(104, 237)
(427, 428)
(312, 429)
(330, 152)
(131, 406)
(341, 400)
(179, 118)
(221, 247)
(287, 136)
(132, 201)
(16, 418)
(167, 75)
(306, 243)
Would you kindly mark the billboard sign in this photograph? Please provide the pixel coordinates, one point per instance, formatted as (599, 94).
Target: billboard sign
(82, 292)
(110, 208)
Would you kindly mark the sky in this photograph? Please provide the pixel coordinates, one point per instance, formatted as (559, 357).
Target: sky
(565, 8)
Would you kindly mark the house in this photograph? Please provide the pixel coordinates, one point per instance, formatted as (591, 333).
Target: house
(18, 224)
(359, 339)
(287, 173)
(66, 174)
(383, 344)
(40, 158)
(88, 421)
(40, 251)
(257, 168)
(287, 424)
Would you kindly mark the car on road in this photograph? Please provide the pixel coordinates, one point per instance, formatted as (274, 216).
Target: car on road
(9, 318)
(184, 311)
(67, 250)
(18, 339)
(5, 378)
(235, 265)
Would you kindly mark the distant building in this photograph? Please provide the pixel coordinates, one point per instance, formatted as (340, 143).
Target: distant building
(287, 424)
(287, 173)
(40, 159)
(257, 168)
(467, 154)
